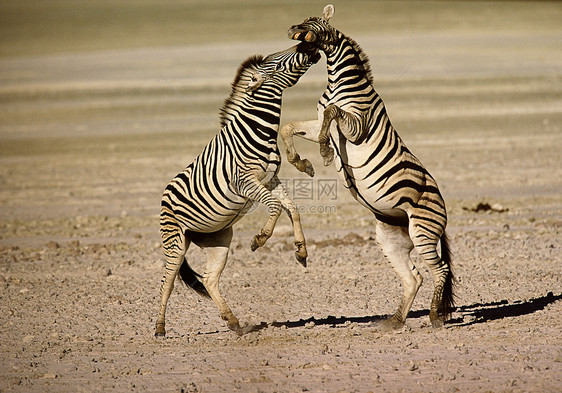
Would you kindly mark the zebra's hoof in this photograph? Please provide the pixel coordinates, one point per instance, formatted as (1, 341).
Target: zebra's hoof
(301, 259)
(240, 329)
(246, 328)
(327, 154)
(390, 324)
(308, 168)
(160, 331)
(437, 323)
(258, 241)
(304, 166)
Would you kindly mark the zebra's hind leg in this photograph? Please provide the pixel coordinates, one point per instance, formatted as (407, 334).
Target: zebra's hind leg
(175, 247)
(216, 246)
(396, 246)
(425, 243)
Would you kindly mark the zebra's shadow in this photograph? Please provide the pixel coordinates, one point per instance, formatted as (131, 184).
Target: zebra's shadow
(485, 312)
(464, 315)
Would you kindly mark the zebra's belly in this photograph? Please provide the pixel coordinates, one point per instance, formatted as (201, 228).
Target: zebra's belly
(358, 179)
(214, 219)
(195, 209)
(366, 195)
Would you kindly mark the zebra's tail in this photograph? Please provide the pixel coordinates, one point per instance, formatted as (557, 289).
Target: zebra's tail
(191, 278)
(448, 297)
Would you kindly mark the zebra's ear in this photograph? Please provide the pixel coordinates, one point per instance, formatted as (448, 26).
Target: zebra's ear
(255, 82)
(328, 12)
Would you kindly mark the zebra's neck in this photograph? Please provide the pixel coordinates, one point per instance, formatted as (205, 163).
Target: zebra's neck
(350, 84)
(346, 61)
(254, 116)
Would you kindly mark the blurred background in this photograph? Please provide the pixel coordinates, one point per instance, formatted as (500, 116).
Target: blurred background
(102, 102)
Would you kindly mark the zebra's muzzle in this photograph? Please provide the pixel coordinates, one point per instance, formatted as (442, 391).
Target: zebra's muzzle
(307, 36)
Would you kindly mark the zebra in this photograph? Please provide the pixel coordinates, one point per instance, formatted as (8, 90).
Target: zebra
(376, 167)
(236, 168)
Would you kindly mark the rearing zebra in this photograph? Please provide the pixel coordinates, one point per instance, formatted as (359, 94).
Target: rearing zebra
(237, 167)
(376, 167)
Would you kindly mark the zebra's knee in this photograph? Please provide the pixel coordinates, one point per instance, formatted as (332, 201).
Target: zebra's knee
(292, 210)
(412, 283)
(287, 130)
(274, 208)
(417, 275)
(331, 112)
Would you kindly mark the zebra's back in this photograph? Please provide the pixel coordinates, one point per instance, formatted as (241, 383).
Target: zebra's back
(200, 198)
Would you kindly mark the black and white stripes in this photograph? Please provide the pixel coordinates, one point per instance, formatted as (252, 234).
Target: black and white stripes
(237, 168)
(354, 130)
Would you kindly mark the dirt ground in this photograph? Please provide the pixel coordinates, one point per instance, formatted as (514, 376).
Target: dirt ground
(89, 138)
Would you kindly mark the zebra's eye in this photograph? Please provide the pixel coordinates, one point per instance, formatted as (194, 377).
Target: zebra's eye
(279, 66)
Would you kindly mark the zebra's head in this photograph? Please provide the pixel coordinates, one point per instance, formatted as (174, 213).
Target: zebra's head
(268, 75)
(283, 69)
(316, 30)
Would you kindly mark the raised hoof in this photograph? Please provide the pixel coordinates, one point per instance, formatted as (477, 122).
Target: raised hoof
(327, 154)
(301, 252)
(308, 168)
(258, 241)
(301, 259)
(303, 166)
(254, 245)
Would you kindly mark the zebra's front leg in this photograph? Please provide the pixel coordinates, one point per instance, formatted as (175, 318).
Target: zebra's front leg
(304, 129)
(291, 208)
(250, 187)
(274, 208)
(326, 151)
(349, 125)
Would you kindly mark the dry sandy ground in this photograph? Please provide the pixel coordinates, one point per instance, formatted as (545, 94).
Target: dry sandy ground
(89, 140)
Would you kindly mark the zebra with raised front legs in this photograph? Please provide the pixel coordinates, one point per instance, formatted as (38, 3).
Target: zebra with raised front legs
(376, 167)
(237, 167)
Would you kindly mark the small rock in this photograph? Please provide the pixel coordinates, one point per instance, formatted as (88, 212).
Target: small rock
(27, 339)
(52, 245)
(496, 207)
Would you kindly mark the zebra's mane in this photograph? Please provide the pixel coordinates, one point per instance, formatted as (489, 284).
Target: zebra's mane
(364, 60)
(231, 102)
